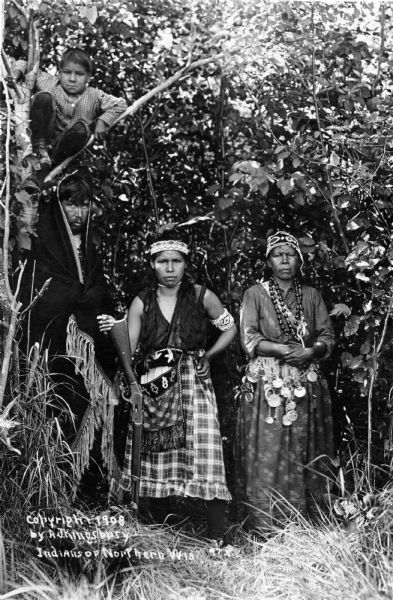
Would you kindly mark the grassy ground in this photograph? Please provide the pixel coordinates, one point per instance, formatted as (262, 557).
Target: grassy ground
(349, 556)
(298, 562)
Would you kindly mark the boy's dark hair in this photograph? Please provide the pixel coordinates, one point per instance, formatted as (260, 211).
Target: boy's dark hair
(78, 56)
(74, 187)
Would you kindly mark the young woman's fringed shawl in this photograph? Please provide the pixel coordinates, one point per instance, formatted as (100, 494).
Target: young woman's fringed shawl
(161, 345)
(100, 413)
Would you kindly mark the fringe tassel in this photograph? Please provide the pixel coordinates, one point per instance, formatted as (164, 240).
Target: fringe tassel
(100, 413)
(170, 438)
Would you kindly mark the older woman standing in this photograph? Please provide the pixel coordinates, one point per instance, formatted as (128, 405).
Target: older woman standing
(182, 448)
(285, 425)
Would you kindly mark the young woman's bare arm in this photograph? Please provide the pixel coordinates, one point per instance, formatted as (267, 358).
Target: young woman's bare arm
(135, 313)
(214, 309)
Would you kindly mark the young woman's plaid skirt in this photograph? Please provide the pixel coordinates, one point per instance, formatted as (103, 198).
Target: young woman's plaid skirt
(196, 470)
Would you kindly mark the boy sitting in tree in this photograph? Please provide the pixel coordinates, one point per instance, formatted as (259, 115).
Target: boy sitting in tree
(65, 110)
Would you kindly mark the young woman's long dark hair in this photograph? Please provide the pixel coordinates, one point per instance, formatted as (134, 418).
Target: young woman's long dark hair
(190, 325)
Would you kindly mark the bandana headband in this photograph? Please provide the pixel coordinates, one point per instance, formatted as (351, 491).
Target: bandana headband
(169, 245)
(282, 238)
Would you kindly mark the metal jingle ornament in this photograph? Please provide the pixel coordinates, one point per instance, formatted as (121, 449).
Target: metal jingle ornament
(274, 400)
(285, 392)
(292, 415)
(291, 405)
(312, 376)
(269, 420)
(278, 383)
(268, 389)
(286, 421)
(300, 392)
(252, 377)
(249, 396)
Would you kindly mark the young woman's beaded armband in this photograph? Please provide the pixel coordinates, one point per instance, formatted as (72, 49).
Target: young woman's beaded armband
(223, 321)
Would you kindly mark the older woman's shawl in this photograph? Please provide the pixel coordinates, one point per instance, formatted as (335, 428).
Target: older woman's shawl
(258, 320)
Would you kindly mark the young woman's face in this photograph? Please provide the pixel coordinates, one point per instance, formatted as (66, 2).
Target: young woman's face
(169, 267)
(284, 262)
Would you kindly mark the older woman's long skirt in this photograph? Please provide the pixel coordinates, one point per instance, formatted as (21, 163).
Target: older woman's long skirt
(283, 467)
(197, 470)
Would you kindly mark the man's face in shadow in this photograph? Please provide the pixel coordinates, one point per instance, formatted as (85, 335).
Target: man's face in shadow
(76, 212)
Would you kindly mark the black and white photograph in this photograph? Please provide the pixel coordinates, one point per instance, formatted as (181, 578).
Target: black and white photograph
(196, 297)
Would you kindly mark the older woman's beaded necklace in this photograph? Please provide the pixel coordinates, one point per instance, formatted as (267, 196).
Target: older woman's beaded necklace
(288, 322)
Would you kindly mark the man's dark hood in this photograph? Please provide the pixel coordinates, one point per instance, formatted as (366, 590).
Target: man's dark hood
(54, 256)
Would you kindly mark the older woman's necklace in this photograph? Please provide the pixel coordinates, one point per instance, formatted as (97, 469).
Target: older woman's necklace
(288, 322)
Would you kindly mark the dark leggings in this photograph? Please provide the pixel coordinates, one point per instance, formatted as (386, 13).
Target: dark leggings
(215, 510)
(42, 124)
(215, 518)
(42, 116)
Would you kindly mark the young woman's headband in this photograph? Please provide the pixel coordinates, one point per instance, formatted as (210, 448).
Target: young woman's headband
(169, 245)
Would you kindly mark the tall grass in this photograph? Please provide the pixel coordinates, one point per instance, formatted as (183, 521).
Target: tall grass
(40, 473)
(300, 562)
(348, 555)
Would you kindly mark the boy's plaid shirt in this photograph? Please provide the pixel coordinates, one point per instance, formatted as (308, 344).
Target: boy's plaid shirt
(87, 106)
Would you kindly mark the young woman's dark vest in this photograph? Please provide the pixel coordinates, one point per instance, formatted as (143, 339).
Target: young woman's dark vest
(188, 328)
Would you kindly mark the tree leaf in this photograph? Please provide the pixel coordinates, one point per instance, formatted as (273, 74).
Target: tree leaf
(91, 14)
(334, 159)
(340, 309)
(285, 185)
(352, 325)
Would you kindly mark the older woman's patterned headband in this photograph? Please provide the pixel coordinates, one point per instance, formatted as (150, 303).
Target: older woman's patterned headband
(169, 245)
(282, 238)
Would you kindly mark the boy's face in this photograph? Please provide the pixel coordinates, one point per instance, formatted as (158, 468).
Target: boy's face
(73, 78)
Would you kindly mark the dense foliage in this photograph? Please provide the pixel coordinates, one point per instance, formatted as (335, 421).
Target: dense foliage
(287, 125)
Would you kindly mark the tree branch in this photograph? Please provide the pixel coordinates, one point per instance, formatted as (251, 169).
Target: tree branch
(166, 84)
(37, 297)
(374, 375)
(131, 110)
(10, 74)
(323, 149)
(23, 11)
(381, 48)
(7, 195)
(18, 284)
(149, 176)
(5, 367)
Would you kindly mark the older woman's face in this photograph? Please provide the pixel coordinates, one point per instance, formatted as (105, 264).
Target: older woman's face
(284, 262)
(169, 267)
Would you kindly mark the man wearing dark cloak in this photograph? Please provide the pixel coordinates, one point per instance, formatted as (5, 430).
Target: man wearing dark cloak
(64, 319)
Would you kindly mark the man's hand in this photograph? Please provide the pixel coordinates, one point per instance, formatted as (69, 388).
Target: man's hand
(105, 323)
(100, 130)
(13, 80)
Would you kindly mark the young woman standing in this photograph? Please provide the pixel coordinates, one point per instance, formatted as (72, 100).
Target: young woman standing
(182, 447)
